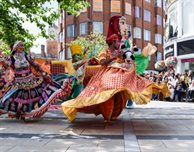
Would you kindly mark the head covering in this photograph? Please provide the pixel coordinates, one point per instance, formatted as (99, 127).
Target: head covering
(15, 45)
(114, 27)
(111, 39)
(76, 49)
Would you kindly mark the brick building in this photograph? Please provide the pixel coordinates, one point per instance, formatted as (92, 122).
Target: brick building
(144, 17)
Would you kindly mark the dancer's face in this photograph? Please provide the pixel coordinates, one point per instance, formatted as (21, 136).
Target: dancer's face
(20, 47)
(123, 28)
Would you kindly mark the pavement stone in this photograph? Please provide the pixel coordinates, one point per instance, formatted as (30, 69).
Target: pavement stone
(156, 127)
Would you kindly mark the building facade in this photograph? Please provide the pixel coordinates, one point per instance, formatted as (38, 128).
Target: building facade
(179, 33)
(144, 17)
(52, 43)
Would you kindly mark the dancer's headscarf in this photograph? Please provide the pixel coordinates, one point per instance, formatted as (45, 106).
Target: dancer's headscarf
(15, 45)
(114, 27)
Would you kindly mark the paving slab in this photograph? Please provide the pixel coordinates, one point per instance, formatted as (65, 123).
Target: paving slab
(156, 127)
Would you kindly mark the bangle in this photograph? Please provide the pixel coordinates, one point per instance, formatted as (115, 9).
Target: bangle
(44, 73)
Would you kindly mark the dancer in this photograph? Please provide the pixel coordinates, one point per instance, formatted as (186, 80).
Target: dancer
(118, 26)
(109, 89)
(5, 75)
(30, 95)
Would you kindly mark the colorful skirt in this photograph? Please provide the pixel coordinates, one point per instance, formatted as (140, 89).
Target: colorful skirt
(108, 90)
(34, 99)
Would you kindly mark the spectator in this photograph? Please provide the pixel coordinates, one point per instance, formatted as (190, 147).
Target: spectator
(191, 91)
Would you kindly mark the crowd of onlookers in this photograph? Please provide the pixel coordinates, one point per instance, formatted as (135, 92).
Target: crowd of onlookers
(181, 86)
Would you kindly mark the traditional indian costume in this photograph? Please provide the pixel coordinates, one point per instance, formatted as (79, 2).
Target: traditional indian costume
(31, 95)
(109, 89)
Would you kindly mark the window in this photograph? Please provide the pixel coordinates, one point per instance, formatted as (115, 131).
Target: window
(98, 27)
(147, 15)
(158, 56)
(115, 6)
(158, 3)
(172, 22)
(128, 8)
(147, 35)
(158, 38)
(158, 20)
(97, 5)
(147, 1)
(62, 55)
(83, 28)
(137, 32)
(137, 12)
(185, 47)
(61, 37)
(188, 17)
(70, 30)
(69, 56)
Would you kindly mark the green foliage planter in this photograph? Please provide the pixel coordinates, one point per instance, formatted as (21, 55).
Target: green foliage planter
(94, 43)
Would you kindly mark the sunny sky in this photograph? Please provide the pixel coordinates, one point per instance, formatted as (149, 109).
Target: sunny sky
(34, 30)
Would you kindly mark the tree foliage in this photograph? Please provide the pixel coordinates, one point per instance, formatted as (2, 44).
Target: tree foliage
(94, 43)
(13, 13)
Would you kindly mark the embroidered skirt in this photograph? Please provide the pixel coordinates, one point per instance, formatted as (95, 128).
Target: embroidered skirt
(31, 96)
(108, 90)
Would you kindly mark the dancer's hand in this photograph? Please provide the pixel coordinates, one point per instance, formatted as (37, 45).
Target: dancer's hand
(149, 50)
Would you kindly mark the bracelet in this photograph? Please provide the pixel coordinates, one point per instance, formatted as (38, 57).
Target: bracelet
(44, 73)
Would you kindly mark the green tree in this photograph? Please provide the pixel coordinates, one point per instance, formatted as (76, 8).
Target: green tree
(94, 43)
(13, 13)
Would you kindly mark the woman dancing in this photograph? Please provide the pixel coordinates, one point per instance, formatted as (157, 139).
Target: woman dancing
(30, 95)
(112, 85)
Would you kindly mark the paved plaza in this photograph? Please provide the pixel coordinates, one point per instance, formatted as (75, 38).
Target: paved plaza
(156, 127)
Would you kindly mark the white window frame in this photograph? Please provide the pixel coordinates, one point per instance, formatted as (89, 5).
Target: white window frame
(158, 38)
(137, 32)
(147, 15)
(148, 1)
(158, 3)
(83, 28)
(115, 3)
(137, 12)
(147, 35)
(98, 27)
(98, 2)
(127, 8)
(71, 30)
(158, 19)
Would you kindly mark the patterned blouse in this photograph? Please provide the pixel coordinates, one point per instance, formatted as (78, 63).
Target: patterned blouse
(118, 63)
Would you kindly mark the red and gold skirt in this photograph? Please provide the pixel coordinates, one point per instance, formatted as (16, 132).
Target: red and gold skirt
(108, 90)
